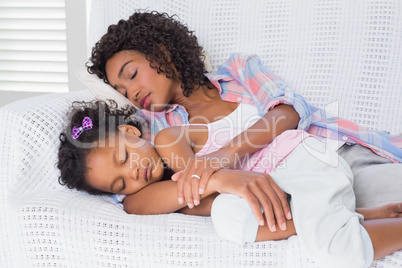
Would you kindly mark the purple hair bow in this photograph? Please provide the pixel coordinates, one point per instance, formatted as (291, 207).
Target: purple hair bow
(86, 124)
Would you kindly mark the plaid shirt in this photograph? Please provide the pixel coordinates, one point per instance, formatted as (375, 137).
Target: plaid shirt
(244, 79)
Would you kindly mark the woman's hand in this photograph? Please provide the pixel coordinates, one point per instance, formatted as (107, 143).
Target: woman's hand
(193, 180)
(258, 189)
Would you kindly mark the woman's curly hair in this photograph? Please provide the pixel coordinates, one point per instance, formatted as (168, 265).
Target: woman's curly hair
(148, 33)
(106, 116)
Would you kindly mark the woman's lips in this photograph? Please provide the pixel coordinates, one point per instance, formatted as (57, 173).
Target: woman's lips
(144, 102)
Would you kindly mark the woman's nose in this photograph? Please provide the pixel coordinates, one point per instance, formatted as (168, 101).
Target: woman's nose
(133, 93)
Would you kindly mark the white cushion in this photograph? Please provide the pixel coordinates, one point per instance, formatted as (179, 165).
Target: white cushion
(100, 89)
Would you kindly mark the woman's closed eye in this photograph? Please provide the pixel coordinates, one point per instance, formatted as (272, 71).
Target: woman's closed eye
(125, 93)
(134, 75)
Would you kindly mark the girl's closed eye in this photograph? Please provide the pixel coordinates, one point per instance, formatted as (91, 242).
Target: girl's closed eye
(125, 160)
(123, 186)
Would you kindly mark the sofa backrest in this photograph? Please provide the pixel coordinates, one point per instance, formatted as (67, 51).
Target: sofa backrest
(29, 134)
(340, 54)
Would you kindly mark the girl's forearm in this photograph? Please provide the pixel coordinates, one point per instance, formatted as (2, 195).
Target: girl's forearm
(203, 209)
(264, 131)
(158, 198)
(265, 234)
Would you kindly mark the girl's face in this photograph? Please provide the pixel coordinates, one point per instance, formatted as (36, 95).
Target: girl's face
(131, 75)
(125, 164)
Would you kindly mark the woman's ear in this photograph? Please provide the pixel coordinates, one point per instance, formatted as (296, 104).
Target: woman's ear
(128, 129)
(165, 52)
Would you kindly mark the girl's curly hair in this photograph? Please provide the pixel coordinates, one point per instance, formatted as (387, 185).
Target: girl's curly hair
(148, 33)
(73, 153)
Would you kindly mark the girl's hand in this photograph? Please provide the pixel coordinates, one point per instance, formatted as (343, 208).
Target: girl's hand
(194, 179)
(393, 210)
(258, 189)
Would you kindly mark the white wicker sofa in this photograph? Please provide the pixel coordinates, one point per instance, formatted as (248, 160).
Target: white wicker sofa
(340, 54)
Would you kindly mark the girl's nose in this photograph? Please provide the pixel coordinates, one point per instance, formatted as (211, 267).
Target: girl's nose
(133, 171)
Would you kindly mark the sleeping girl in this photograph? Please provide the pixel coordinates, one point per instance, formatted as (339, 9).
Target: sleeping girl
(102, 152)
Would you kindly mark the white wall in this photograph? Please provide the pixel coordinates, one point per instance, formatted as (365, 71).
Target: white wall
(77, 25)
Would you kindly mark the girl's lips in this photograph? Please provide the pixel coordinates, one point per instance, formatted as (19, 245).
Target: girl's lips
(147, 173)
(144, 102)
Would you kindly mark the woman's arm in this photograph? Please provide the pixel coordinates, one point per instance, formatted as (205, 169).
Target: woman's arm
(173, 145)
(263, 132)
(259, 135)
(161, 198)
(285, 110)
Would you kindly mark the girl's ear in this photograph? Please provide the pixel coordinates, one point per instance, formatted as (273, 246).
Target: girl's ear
(128, 129)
